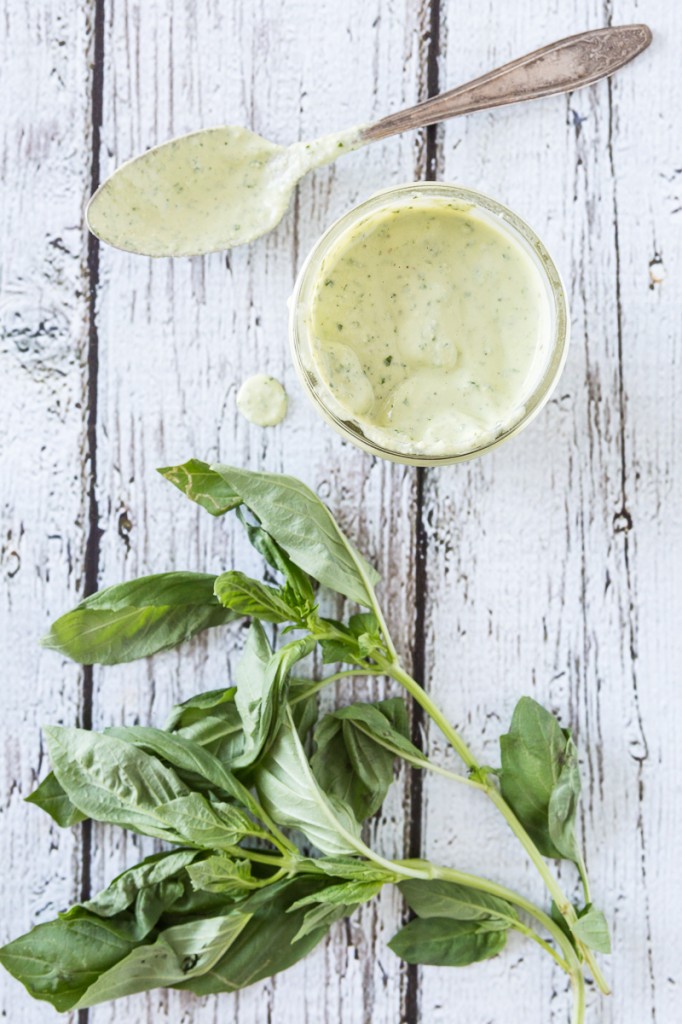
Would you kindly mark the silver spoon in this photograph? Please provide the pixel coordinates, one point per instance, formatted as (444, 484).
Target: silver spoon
(214, 189)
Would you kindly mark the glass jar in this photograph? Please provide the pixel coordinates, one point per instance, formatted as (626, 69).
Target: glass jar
(508, 224)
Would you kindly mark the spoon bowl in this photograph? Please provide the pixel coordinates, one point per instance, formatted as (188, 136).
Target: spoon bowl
(205, 192)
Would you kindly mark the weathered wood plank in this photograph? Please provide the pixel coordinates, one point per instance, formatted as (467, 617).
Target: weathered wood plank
(648, 206)
(526, 566)
(177, 339)
(45, 161)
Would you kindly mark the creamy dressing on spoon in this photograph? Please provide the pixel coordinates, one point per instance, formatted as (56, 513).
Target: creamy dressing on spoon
(207, 191)
(430, 326)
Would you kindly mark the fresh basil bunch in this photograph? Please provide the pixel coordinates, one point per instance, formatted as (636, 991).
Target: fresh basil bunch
(262, 802)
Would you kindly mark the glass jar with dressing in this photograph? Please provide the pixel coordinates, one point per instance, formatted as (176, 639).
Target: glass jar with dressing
(429, 324)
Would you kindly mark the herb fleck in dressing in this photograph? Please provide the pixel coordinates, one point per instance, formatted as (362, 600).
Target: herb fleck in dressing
(207, 191)
(430, 326)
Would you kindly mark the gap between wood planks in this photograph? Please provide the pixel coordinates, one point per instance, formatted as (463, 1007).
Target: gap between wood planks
(412, 1013)
(92, 546)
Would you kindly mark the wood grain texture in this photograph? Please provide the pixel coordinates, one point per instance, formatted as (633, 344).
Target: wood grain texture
(532, 564)
(44, 180)
(176, 340)
(648, 217)
(551, 567)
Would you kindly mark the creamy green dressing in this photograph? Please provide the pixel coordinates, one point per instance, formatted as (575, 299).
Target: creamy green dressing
(262, 400)
(430, 327)
(207, 191)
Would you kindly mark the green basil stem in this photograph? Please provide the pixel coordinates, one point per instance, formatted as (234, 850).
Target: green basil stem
(570, 962)
(430, 871)
(390, 666)
(390, 648)
(578, 984)
(566, 908)
(270, 880)
(423, 763)
(279, 861)
(436, 768)
(563, 903)
(277, 837)
(529, 933)
(422, 698)
(317, 685)
(582, 870)
(426, 871)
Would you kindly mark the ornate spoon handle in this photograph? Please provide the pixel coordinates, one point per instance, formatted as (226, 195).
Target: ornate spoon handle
(560, 67)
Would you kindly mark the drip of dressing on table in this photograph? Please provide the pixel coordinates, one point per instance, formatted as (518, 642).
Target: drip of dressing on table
(262, 400)
(430, 327)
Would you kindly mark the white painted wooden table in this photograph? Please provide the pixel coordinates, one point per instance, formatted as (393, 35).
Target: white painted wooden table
(552, 566)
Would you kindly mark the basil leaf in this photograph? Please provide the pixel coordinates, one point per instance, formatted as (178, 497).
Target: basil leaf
(196, 767)
(592, 930)
(435, 898)
(194, 904)
(291, 795)
(212, 721)
(340, 651)
(359, 640)
(365, 627)
(51, 797)
(145, 891)
(563, 804)
(444, 942)
(113, 781)
(183, 951)
(200, 483)
(344, 894)
(348, 867)
(291, 514)
(261, 677)
(223, 874)
(356, 748)
(59, 961)
(304, 527)
(331, 904)
(298, 583)
(192, 710)
(364, 623)
(245, 596)
(207, 823)
(133, 620)
(536, 753)
(256, 697)
(322, 915)
(265, 946)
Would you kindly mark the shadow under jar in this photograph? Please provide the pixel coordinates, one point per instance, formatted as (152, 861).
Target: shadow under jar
(429, 324)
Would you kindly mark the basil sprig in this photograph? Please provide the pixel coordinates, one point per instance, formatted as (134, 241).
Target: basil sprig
(262, 803)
